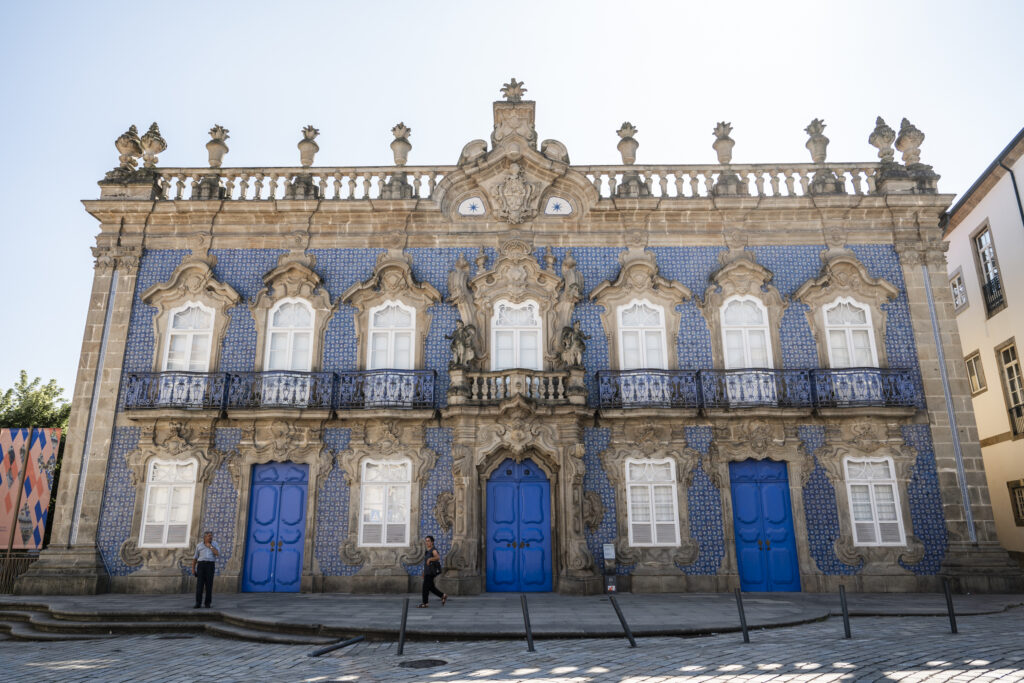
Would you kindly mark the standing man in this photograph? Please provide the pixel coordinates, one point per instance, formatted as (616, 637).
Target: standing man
(203, 567)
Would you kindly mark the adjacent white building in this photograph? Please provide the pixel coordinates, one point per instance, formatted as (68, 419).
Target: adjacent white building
(985, 231)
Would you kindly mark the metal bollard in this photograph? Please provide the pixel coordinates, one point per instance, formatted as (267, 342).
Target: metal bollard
(743, 617)
(526, 621)
(622, 620)
(949, 605)
(846, 612)
(401, 631)
(335, 646)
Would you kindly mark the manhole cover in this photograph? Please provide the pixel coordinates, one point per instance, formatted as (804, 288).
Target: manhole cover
(422, 663)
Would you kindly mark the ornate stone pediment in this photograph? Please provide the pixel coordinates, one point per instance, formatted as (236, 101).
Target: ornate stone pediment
(280, 440)
(638, 280)
(173, 440)
(192, 281)
(517, 431)
(293, 278)
(844, 276)
(392, 280)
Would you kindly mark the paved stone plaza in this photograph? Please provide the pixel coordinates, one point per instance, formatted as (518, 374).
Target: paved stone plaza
(987, 648)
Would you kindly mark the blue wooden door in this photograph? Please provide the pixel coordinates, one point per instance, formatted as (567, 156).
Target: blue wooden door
(518, 528)
(763, 525)
(277, 528)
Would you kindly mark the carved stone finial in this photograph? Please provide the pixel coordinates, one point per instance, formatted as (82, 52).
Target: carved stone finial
(627, 145)
(817, 143)
(130, 148)
(513, 90)
(909, 142)
(216, 146)
(549, 258)
(400, 146)
(152, 144)
(882, 137)
(307, 146)
(723, 144)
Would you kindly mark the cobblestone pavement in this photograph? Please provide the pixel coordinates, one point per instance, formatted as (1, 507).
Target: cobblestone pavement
(988, 648)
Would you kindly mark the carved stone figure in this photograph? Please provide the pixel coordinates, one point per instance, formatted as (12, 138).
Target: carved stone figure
(572, 345)
(458, 288)
(444, 510)
(593, 510)
(573, 278)
(463, 345)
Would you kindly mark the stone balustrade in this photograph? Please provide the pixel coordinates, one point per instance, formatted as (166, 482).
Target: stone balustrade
(488, 387)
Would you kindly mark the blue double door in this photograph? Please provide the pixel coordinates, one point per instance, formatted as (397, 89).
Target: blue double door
(518, 528)
(763, 524)
(277, 528)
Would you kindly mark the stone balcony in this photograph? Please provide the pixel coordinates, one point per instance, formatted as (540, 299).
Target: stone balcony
(480, 388)
(229, 393)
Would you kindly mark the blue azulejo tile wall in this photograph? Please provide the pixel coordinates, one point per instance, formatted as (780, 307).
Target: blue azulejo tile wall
(332, 510)
(440, 479)
(221, 505)
(821, 509)
(118, 507)
(927, 518)
(595, 441)
(704, 509)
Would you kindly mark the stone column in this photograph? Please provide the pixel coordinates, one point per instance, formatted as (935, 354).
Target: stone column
(72, 564)
(462, 574)
(974, 556)
(576, 574)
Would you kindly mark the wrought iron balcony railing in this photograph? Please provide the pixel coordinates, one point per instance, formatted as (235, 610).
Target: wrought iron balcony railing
(225, 391)
(756, 387)
(993, 292)
(1017, 419)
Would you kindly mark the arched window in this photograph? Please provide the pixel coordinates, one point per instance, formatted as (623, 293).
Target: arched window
(652, 505)
(385, 489)
(641, 336)
(874, 502)
(851, 337)
(189, 337)
(290, 336)
(745, 339)
(516, 336)
(170, 490)
(392, 330)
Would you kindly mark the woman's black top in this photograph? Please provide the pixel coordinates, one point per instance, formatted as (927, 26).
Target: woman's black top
(426, 560)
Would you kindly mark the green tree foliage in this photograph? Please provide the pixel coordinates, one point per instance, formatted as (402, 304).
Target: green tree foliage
(34, 404)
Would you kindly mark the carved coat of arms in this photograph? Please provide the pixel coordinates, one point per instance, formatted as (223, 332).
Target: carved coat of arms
(514, 195)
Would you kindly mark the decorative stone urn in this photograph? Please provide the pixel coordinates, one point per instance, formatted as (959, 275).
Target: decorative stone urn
(723, 144)
(628, 144)
(307, 147)
(216, 146)
(817, 144)
(909, 143)
(152, 145)
(400, 146)
(129, 147)
(882, 137)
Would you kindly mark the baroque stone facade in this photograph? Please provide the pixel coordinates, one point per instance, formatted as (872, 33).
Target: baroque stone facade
(535, 363)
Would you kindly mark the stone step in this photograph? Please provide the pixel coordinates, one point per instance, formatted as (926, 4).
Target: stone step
(23, 630)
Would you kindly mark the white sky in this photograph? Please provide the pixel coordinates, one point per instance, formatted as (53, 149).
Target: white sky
(74, 75)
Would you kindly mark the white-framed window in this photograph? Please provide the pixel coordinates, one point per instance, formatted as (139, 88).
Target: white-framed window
(851, 337)
(746, 342)
(1013, 384)
(385, 489)
(975, 373)
(874, 502)
(189, 338)
(641, 336)
(167, 510)
(392, 330)
(516, 334)
(958, 290)
(652, 504)
(986, 256)
(290, 336)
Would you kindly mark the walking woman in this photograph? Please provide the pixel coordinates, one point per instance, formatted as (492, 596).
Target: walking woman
(431, 569)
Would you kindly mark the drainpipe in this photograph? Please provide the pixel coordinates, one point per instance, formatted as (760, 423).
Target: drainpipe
(1016, 191)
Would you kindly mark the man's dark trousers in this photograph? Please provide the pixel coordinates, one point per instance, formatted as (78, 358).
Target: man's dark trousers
(204, 579)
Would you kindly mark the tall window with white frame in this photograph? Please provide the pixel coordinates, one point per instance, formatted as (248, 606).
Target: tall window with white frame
(516, 333)
(991, 285)
(186, 350)
(385, 489)
(959, 291)
(642, 347)
(391, 334)
(1017, 500)
(652, 506)
(746, 344)
(975, 373)
(851, 349)
(289, 354)
(874, 502)
(167, 509)
(1013, 384)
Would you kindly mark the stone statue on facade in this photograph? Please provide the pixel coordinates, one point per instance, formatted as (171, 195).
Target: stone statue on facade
(572, 345)
(458, 288)
(572, 277)
(463, 345)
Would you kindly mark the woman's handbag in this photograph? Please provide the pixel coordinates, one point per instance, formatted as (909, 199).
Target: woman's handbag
(435, 568)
